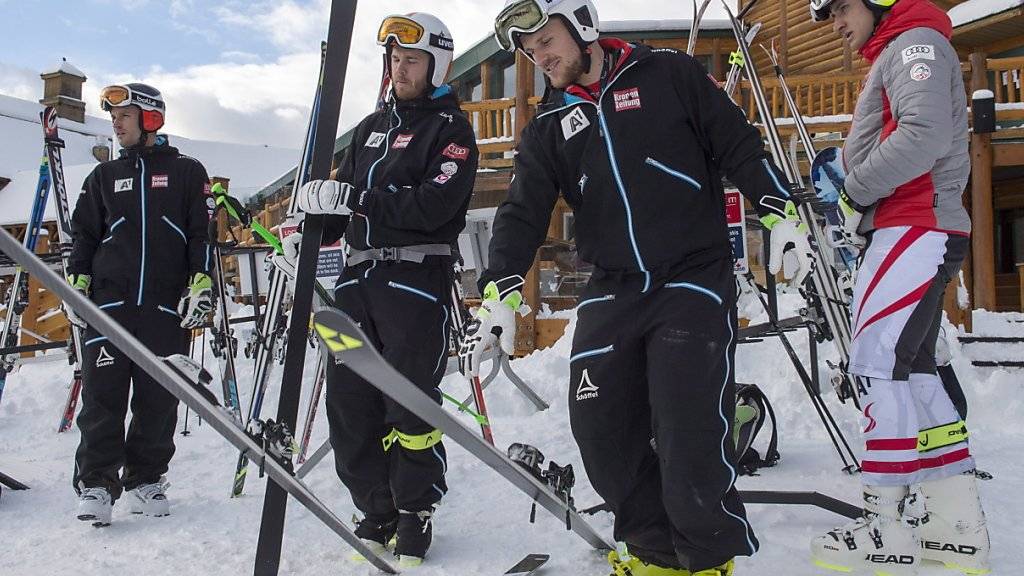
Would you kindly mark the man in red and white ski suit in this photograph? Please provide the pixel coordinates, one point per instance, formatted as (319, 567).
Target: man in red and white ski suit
(907, 166)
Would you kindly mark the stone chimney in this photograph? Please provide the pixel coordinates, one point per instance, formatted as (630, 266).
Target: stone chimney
(62, 89)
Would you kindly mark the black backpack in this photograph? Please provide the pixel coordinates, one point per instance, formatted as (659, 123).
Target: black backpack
(751, 408)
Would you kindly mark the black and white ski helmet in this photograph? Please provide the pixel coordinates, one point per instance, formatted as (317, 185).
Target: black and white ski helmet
(145, 97)
(528, 16)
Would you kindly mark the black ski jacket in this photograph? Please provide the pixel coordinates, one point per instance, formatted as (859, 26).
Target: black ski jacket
(414, 164)
(140, 225)
(641, 168)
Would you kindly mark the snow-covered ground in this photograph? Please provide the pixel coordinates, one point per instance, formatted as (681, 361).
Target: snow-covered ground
(483, 526)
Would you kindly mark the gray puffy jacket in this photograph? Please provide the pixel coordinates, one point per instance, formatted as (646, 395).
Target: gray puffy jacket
(906, 155)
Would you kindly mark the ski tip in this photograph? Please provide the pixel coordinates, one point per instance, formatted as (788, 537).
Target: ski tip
(529, 564)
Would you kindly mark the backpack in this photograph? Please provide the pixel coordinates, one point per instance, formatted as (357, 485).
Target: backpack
(751, 408)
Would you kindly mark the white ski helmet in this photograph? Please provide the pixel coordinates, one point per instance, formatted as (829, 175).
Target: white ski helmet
(421, 31)
(145, 97)
(528, 16)
(821, 9)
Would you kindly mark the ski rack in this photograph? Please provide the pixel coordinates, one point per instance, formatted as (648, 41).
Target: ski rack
(188, 393)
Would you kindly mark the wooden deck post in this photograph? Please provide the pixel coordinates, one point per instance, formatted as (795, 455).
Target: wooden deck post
(982, 219)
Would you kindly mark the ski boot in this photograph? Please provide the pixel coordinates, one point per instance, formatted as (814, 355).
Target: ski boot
(415, 529)
(95, 505)
(149, 499)
(377, 532)
(723, 570)
(881, 541)
(625, 564)
(953, 529)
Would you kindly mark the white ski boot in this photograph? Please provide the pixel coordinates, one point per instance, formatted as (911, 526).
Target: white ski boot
(954, 531)
(95, 505)
(149, 499)
(881, 541)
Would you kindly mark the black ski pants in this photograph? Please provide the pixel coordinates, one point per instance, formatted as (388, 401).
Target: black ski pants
(107, 378)
(651, 403)
(404, 308)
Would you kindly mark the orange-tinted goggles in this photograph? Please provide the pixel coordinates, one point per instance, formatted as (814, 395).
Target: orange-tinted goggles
(403, 30)
(114, 96)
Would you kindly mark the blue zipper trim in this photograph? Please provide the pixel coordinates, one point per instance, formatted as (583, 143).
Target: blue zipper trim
(116, 223)
(696, 288)
(622, 188)
(369, 175)
(590, 353)
(95, 340)
(652, 162)
(594, 300)
(142, 263)
(444, 340)
(176, 229)
(775, 179)
(344, 284)
(169, 311)
(111, 305)
(416, 291)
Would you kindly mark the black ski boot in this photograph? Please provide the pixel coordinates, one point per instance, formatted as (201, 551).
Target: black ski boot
(413, 538)
(377, 532)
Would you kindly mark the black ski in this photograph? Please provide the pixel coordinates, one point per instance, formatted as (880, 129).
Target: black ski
(529, 564)
(342, 338)
(262, 446)
(339, 39)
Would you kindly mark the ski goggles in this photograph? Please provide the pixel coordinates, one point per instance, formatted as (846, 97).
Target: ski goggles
(120, 96)
(524, 17)
(400, 29)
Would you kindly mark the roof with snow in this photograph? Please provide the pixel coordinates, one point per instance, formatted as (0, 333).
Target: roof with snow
(249, 167)
(974, 10)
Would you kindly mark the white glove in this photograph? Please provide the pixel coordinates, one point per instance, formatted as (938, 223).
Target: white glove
(494, 323)
(81, 283)
(789, 236)
(325, 197)
(197, 301)
(850, 215)
(288, 259)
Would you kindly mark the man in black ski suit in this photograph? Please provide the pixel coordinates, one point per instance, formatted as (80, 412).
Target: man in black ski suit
(139, 240)
(637, 141)
(400, 199)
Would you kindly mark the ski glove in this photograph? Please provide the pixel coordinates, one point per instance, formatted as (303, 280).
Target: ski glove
(325, 197)
(789, 237)
(494, 323)
(850, 215)
(81, 283)
(197, 301)
(288, 259)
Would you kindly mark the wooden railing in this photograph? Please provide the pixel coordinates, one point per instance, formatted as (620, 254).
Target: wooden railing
(494, 124)
(1008, 84)
(815, 95)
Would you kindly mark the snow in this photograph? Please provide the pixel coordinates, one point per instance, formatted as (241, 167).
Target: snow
(972, 10)
(67, 68)
(483, 526)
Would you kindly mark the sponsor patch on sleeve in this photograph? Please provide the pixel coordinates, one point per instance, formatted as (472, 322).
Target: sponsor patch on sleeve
(442, 178)
(449, 168)
(918, 52)
(920, 72)
(456, 152)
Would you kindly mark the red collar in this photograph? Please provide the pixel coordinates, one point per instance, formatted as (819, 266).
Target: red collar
(905, 15)
(621, 50)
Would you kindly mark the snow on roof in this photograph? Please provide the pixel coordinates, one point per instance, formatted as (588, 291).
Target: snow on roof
(249, 167)
(67, 68)
(973, 10)
(652, 25)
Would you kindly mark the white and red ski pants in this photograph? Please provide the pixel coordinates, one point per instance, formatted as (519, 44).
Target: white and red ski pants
(911, 429)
